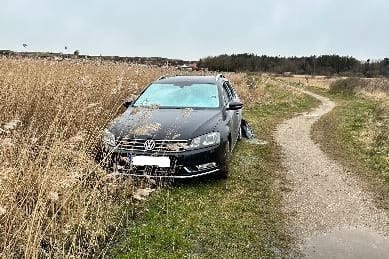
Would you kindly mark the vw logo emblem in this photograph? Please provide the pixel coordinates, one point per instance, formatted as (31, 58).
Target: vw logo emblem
(149, 145)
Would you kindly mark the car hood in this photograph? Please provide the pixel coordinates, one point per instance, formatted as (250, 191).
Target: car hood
(180, 124)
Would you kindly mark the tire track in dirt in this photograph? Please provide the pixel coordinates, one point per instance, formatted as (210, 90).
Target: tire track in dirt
(329, 213)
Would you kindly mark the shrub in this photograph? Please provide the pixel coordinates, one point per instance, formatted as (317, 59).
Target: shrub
(347, 86)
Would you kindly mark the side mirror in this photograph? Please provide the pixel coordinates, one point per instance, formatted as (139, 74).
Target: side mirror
(127, 103)
(234, 105)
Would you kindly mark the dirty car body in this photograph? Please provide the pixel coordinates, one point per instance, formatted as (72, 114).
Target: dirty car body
(178, 127)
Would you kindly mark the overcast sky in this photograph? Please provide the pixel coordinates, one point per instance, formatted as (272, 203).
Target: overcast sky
(190, 29)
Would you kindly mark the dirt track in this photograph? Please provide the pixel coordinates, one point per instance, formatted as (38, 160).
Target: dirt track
(328, 210)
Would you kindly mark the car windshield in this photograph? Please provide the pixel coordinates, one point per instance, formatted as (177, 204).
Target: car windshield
(180, 96)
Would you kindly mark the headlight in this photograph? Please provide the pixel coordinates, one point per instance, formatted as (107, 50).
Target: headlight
(109, 138)
(205, 140)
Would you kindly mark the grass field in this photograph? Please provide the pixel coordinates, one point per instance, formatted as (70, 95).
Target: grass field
(55, 201)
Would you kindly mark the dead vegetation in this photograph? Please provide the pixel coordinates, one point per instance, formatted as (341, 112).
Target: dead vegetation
(54, 199)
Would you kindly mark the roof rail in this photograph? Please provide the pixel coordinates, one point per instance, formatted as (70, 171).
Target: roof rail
(219, 76)
(162, 77)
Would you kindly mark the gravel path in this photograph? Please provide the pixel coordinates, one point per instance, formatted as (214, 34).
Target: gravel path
(328, 210)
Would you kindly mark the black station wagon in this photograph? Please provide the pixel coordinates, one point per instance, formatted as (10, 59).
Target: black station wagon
(178, 127)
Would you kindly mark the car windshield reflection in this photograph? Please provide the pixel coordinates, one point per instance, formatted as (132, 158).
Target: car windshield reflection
(180, 96)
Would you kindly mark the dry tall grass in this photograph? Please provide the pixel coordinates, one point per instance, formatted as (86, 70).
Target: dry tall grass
(54, 199)
(316, 81)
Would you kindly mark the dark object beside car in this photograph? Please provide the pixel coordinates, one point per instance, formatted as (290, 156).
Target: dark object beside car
(178, 127)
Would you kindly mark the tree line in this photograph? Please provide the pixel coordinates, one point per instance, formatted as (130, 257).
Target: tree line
(313, 65)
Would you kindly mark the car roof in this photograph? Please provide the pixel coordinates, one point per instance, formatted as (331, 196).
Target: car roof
(189, 79)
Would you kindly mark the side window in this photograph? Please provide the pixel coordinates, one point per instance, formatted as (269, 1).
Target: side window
(227, 92)
(232, 90)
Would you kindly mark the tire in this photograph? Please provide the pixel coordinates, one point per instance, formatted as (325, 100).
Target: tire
(225, 161)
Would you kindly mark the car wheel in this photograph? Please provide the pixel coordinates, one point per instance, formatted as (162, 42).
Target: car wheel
(225, 161)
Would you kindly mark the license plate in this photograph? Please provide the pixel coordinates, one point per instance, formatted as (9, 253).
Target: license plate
(161, 161)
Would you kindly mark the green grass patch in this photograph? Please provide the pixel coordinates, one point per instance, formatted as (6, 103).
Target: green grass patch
(235, 218)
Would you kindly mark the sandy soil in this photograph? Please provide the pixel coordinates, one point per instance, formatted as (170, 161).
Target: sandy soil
(329, 212)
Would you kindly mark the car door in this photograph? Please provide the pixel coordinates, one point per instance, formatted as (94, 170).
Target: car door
(229, 95)
(235, 98)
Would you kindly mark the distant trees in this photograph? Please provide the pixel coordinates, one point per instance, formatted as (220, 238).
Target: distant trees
(313, 65)
(384, 66)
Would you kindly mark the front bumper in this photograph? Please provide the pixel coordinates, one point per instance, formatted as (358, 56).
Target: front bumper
(183, 165)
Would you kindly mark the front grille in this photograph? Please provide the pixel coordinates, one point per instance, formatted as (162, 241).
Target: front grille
(154, 171)
(161, 146)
